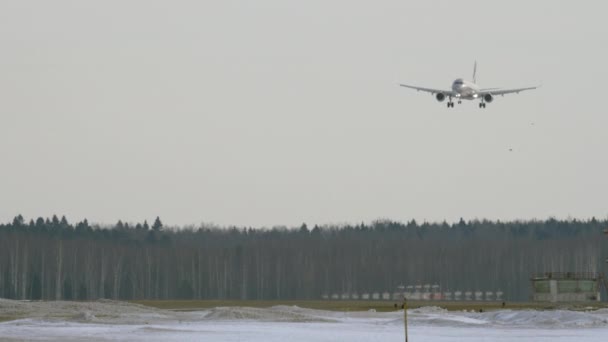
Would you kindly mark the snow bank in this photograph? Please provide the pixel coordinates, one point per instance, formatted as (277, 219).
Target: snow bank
(273, 314)
(509, 318)
(101, 311)
(115, 312)
(545, 319)
(110, 320)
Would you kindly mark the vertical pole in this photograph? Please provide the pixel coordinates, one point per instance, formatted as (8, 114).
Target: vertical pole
(603, 275)
(405, 316)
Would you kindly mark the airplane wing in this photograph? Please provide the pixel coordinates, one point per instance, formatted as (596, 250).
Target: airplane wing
(503, 92)
(429, 90)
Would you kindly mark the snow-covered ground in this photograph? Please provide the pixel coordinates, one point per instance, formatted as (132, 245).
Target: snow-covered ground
(108, 320)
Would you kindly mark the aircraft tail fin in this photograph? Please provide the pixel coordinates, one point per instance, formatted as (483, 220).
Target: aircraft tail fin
(475, 73)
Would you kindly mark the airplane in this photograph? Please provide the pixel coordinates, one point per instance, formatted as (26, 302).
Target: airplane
(465, 90)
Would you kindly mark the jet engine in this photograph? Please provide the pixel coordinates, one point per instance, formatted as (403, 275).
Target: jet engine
(440, 97)
(488, 98)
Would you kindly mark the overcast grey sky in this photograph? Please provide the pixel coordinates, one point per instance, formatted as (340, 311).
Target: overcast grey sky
(264, 113)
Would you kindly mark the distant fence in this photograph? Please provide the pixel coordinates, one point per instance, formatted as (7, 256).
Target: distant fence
(457, 295)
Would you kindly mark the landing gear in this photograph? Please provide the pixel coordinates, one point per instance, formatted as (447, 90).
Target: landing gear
(450, 103)
(459, 101)
(482, 105)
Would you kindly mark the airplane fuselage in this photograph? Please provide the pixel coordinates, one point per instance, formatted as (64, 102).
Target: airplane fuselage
(465, 90)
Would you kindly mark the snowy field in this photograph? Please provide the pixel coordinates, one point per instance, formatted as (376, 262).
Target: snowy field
(109, 320)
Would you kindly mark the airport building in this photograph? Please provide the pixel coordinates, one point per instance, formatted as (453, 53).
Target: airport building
(566, 287)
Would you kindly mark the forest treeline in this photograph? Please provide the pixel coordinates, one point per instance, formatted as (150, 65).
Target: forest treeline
(53, 259)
